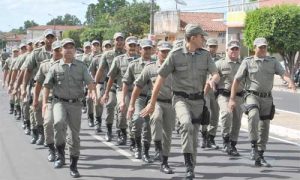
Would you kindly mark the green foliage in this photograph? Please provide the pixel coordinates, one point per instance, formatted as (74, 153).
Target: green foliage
(280, 25)
(75, 35)
(67, 19)
(28, 24)
(22, 29)
(90, 34)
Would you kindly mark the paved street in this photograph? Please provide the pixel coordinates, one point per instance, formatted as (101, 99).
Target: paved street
(100, 160)
(287, 101)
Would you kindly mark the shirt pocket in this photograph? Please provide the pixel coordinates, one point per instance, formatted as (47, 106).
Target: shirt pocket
(181, 70)
(59, 77)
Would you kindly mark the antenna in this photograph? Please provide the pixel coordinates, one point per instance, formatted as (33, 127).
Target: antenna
(181, 2)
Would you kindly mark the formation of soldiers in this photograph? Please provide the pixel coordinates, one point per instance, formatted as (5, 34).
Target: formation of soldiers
(145, 89)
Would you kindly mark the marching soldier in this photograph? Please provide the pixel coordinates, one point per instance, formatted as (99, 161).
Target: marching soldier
(189, 65)
(67, 78)
(258, 70)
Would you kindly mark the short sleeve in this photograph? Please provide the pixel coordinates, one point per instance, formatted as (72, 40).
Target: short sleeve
(168, 66)
(143, 78)
(279, 70)
(242, 71)
(49, 80)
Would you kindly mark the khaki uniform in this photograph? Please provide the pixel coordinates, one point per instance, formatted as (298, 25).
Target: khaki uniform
(259, 75)
(68, 84)
(231, 121)
(93, 67)
(162, 120)
(117, 71)
(32, 63)
(48, 119)
(139, 125)
(189, 74)
(106, 62)
(7, 67)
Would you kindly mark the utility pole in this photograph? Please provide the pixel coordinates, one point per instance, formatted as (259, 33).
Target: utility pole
(152, 17)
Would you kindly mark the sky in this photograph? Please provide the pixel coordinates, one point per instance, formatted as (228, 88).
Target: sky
(13, 13)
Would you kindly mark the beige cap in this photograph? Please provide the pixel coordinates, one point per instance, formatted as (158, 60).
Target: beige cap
(164, 45)
(86, 44)
(118, 34)
(260, 42)
(145, 43)
(233, 43)
(49, 32)
(194, 29)
(212, 42)
(67, 41)
(95, 41)
(131, 40)
(56, 45)
(106, 42)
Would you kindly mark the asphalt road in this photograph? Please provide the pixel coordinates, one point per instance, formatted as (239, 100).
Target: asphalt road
(287, 101)
(20, 160)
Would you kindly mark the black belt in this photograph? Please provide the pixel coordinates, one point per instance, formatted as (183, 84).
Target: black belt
(260, 94)
(113, 91)
(49, 100)
(195, 96)
(165, 100)
(100, 82)
(67, 100)
(227, 93)
(143, 95)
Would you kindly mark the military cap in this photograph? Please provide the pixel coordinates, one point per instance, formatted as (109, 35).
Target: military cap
(194, 29)
(233, 43)
(131, 40)
(67, 41)
(56, 45)
(146, 43)
(15, 48)
(29, 41)
(22, 45)
(212, 42)
(164, 45)
(118, 34)
(258, 42)
(86, 44)
(49, 32)
(106, 42)
(95, 41)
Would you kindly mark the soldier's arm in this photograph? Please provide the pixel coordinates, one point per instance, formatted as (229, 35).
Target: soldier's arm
(111, 74)
(285, 76)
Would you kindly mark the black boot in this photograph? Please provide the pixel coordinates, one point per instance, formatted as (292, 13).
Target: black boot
(41, 139)
(12, 108)
(27, 130)
(132, 144)
(34, 136)
(123, 137)
(19, 113)
(91, 120)
(138, 150)
(233, 150)
(262, 159)
(211, 142)
(146, 156)
(204, 139)
(108, 135)
(226, 144)
(164, 166)
(73, 166)
(51, 156)
(188, 161)
(98, 124)
(254, 154)
(158, 151)
(119, 138)
(60, 158)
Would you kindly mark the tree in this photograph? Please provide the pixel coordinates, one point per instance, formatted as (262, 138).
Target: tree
(29, 23)
(67, 19)
(22, 29)
(75, 35)
(90, 34)
(280, 25)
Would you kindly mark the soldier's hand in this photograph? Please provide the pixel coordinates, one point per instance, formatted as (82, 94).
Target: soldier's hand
(23, 92)
(212, 85)
(44, 109)
(104, 98)
(130, 112)
(231, 105)
(35, 104)
(149, 109)
(122, 106)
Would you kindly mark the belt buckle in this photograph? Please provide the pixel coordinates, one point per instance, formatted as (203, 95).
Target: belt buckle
(70, 100)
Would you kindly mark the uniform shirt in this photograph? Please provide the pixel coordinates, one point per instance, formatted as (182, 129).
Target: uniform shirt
(86, 58)
(133, 71)
(68, 81)
(259, 73)
(35, 58)
(227, 70)
(108, 57)
(148, 77)
(215, 57)
(7, 63)
(189, 70)
(20, 61)
(94, 66)
(119, 67)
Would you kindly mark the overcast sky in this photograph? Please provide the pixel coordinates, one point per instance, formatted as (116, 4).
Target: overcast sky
(13, 13)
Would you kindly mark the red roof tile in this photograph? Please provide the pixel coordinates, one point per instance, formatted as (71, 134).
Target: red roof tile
(15, 37)
(57, 27)
(208, 21)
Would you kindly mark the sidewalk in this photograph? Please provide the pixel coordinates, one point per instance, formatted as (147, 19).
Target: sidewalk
(284, 125)
(280, 86)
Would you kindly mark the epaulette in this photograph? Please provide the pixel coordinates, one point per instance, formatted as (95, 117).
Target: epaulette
(45, 61)
(270, 58)
(249, 58)
(150, 63)
(37, 50)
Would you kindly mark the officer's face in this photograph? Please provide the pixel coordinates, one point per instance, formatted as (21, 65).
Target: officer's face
(162, 55)
(15, 53)
(49, 40)
(68, 51)
(23, 49)
(146, 52)
(87, 49)
(107, 47)
(96, 47)
(261, 51)
(29, 47)
(233, 53)
(213, 49)
(198, 41)
(57, 54)
(131, 48)
(119, 43)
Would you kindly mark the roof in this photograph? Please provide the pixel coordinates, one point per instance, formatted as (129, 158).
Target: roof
(15, 37)
(57, 27)
(210, 22)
